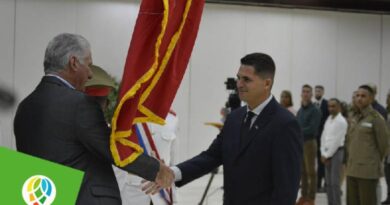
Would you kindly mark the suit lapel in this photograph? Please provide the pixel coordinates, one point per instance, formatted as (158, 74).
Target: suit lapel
(258, 126)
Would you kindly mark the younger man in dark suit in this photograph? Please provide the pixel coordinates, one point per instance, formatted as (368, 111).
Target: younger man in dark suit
(260, 145)
(322, 104)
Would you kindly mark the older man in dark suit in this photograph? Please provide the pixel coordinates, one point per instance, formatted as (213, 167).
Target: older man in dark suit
(260, 145)
(58, 122)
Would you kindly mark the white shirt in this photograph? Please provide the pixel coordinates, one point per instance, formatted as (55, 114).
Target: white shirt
(318, 102)
(257, 110)
(333, 135)
(130, 185)
(164, 137)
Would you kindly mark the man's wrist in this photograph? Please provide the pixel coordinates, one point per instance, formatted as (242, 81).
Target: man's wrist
(177, 173)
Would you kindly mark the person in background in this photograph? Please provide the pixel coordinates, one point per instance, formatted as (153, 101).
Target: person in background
(387, 160)
(99, 87)
(388, 107)
(332, 150)
(309, 117)
(367, 145)
(344, 112)
(164, 137)
(287, 102)
(381, 110)
(322, 104)
(352, 107)
(378, 107)
(349, 110)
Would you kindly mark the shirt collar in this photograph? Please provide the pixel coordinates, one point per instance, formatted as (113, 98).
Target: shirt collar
(308, 105)
(337, 116)
(62, 80)
(318, 101)
(257, 110)
(365, 112)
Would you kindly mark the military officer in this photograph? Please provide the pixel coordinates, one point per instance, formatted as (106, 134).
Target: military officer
(367, 145)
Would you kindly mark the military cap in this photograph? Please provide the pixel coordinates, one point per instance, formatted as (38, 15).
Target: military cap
(101, 83)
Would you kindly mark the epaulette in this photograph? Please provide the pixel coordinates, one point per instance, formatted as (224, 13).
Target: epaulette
(376, 114)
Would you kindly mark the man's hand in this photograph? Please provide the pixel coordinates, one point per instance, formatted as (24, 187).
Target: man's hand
(150, 187)
(325, 161)
(164, 179)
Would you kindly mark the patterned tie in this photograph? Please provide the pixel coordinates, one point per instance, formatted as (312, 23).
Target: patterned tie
(247, 124)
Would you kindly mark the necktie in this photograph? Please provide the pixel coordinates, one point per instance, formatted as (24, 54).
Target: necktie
(247, 124)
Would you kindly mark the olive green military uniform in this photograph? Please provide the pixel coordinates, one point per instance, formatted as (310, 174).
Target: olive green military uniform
(367, 144)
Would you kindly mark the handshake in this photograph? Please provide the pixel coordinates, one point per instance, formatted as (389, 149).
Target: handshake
(164, 179)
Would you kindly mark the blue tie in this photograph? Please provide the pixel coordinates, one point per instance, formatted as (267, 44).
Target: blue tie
(247, 124)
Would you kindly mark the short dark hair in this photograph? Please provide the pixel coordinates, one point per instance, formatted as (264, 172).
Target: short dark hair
(336, 100)
(263, 64)
(307, 86)
(320, 87)
(368, 88)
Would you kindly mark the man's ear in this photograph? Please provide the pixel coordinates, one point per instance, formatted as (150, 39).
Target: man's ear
(73, 63)
(268, 83)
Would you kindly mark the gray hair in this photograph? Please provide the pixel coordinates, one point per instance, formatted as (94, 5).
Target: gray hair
(61, 48)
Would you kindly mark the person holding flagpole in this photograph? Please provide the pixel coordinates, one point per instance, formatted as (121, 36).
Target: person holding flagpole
(163, 137)
(100, 87)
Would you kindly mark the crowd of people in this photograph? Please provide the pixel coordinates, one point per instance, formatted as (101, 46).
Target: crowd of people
(343, 139)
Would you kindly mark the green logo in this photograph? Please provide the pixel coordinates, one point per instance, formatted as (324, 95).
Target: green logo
(34, 181)
(39, 190)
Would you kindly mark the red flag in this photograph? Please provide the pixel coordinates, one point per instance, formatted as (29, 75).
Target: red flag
(161, 46)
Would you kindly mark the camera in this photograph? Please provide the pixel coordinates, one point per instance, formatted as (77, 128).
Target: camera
(234, 101)
(231, 84)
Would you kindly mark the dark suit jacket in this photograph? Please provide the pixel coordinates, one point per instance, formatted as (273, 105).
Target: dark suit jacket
(378, 107)
(65, 126)
(265, 170)
(324, 116)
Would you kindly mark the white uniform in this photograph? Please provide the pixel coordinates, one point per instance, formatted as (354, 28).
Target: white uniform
(130, 185)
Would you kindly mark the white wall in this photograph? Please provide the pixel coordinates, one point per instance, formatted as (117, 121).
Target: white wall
(338, 50)
(7, 25)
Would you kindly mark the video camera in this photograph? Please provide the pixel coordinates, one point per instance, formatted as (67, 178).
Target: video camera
(234, 101)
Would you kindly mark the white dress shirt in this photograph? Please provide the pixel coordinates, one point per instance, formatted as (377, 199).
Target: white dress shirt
(318, 102)
(257, 110)
(333, 135)
(130, 185)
